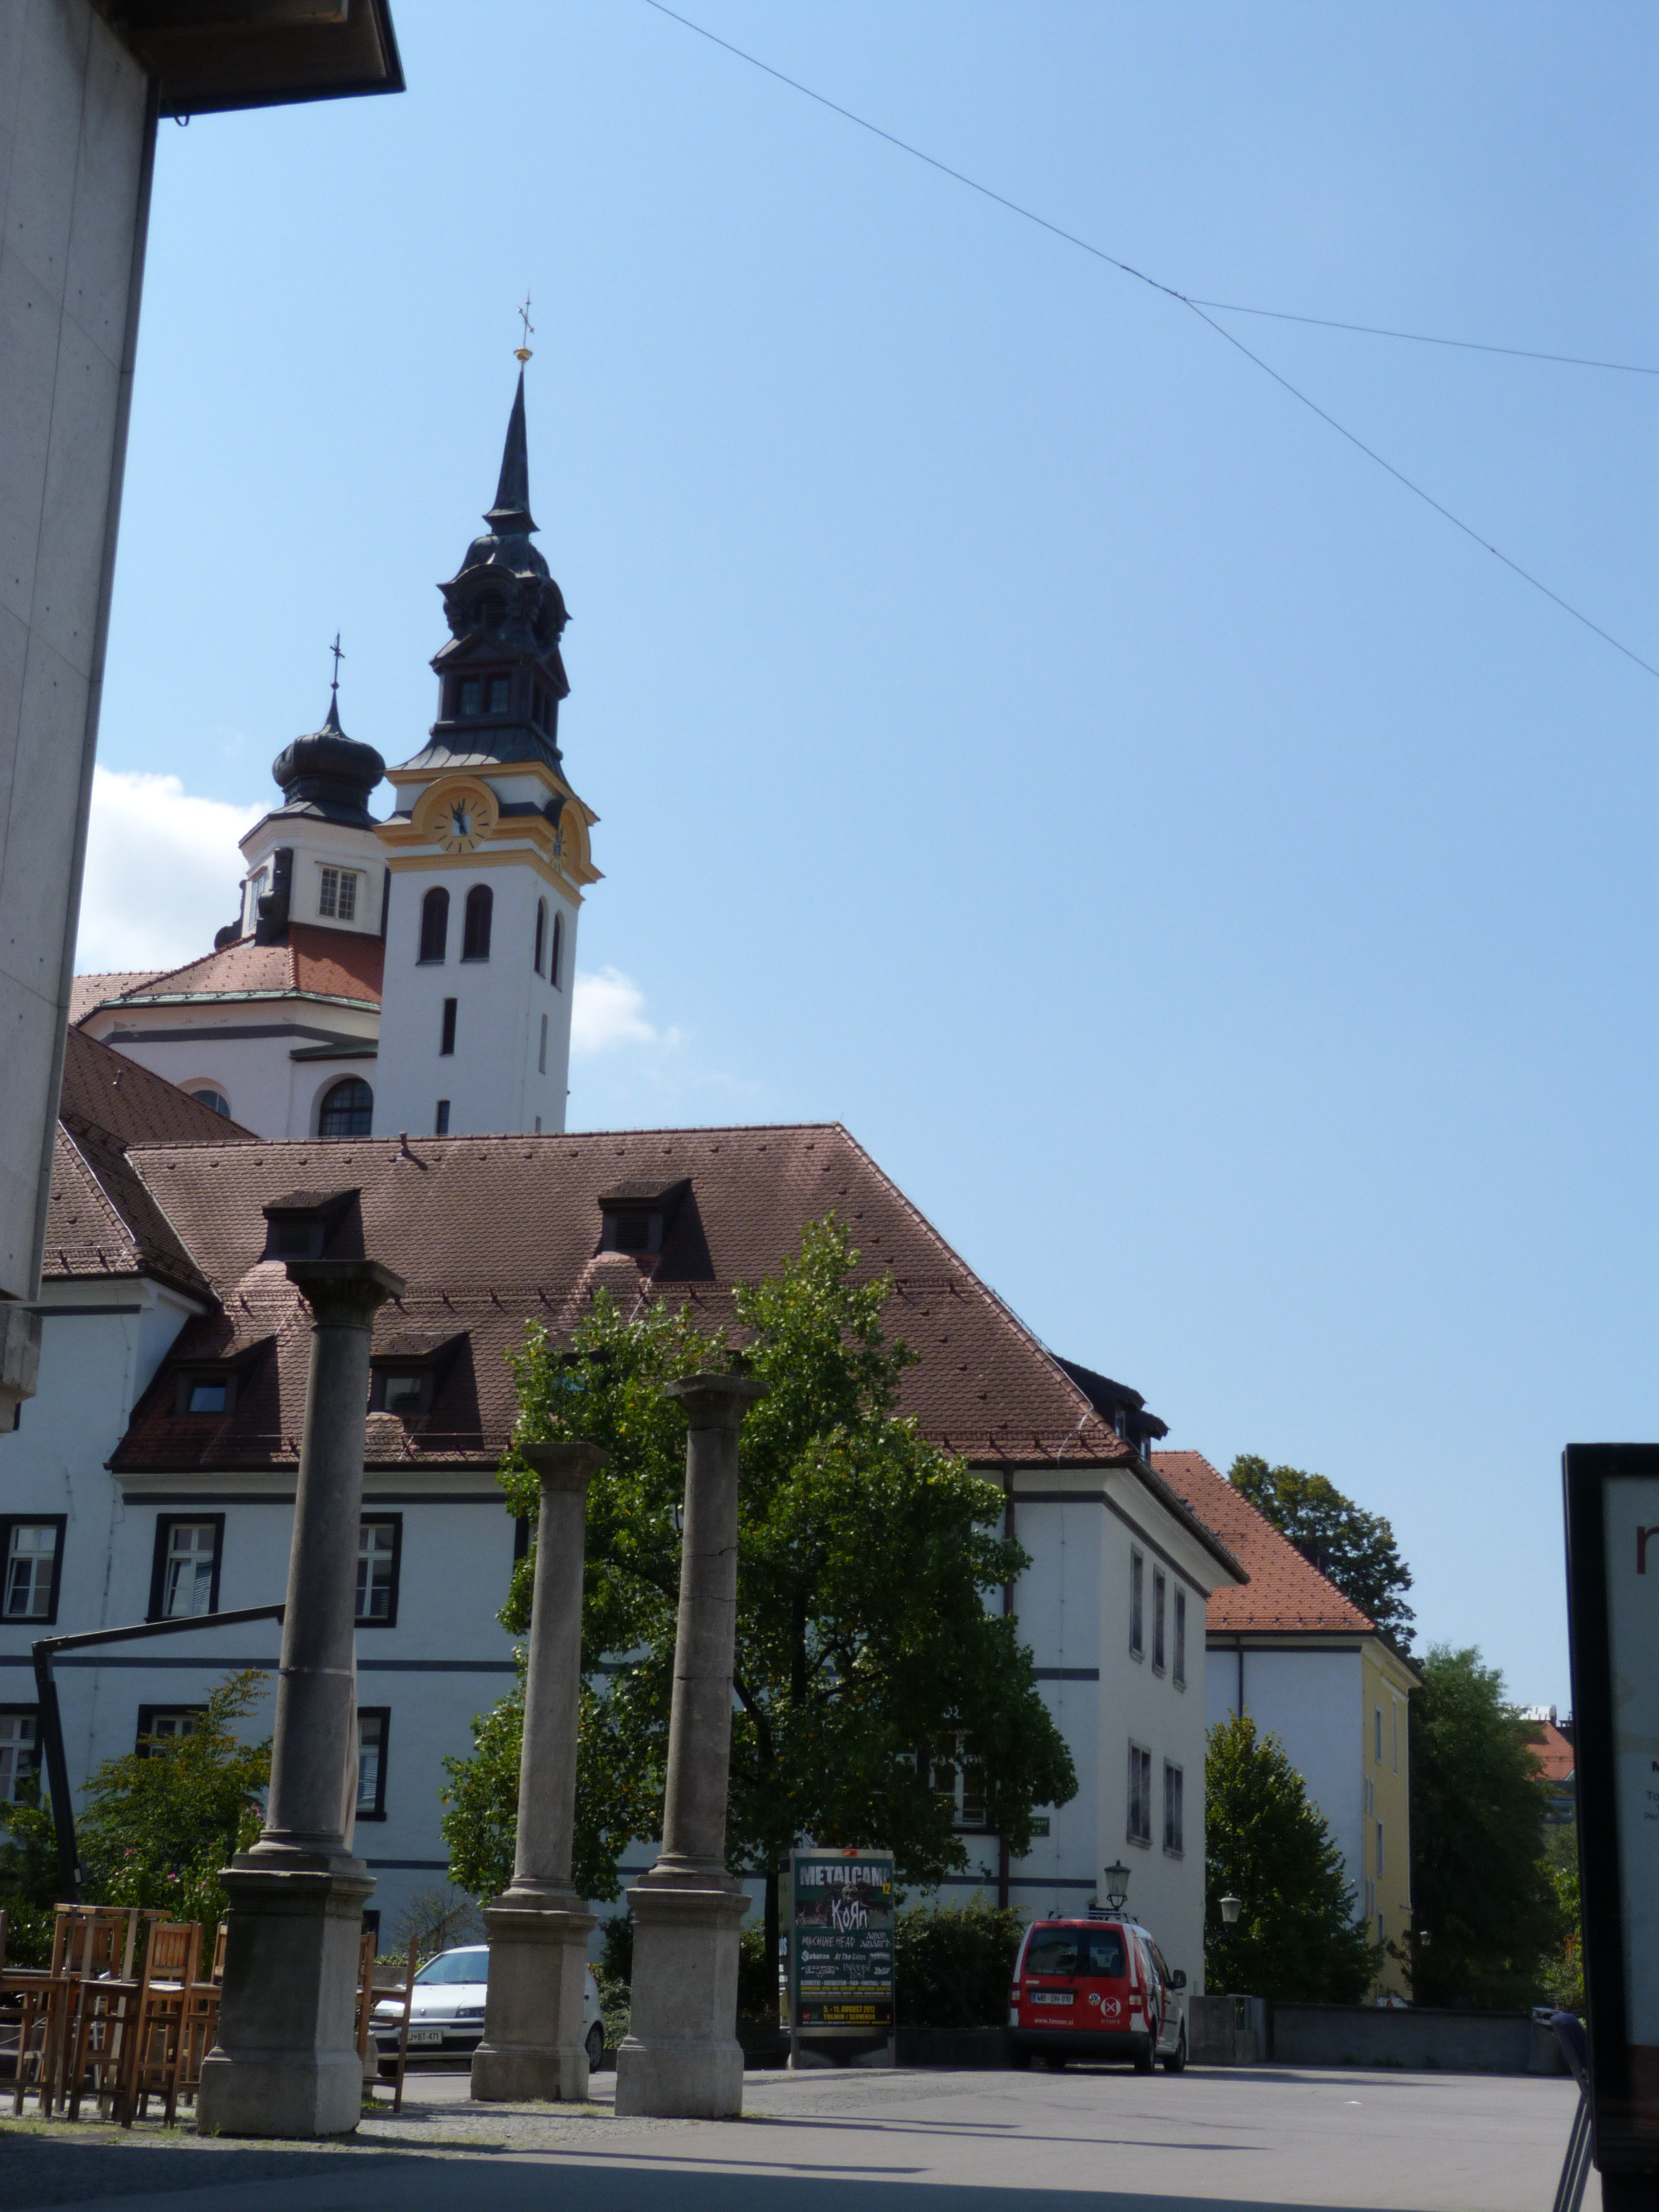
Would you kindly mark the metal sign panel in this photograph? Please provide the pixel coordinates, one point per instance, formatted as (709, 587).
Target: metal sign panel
(1613, 1593)
(840, 1943)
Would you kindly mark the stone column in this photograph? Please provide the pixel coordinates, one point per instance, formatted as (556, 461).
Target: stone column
(682, 2057)
(538, 1928)
(286, 2060)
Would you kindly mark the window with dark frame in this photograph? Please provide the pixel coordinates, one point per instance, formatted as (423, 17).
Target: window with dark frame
(441, 1119)
(32, 1551)
(501, 694)
(380, 1547)
(1160, 1602)
(1137, 1604)
(205, 1393)
(165, 1724)
(1140, 1827)
(475, 933)
(373, 1728)
(435, 926)
(184, 1576)
(470, 700)
(446, 1040)
(348, 1109)
(1175, 1785)
(1178, 1672)
(541, 935)
(20, 1749)
(555, 955)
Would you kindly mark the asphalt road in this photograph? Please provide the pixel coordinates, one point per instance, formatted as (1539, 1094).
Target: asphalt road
(1077, 2142)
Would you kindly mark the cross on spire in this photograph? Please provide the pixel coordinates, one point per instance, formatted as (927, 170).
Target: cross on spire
(338, 658)
(522, 352)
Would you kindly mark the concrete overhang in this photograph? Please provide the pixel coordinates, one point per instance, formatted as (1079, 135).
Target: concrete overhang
(208, 56)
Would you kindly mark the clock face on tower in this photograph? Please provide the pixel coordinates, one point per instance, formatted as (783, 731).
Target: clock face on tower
(461, 830)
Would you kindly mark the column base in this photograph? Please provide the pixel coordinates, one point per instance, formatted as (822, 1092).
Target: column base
(533, 2048)
(286, 2062)
(681, 2059)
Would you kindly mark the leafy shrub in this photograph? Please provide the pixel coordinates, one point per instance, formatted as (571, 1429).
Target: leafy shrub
(953, 1967)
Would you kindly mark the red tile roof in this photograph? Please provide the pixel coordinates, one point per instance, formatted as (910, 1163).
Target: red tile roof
(334, 964)
(1283, 1593)
(490, 1232)
(89, 991)
(101, 1220)
(1552, 1752)
(103, 1086)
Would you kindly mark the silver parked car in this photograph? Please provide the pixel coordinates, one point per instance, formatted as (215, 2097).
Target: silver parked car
(447, 2013)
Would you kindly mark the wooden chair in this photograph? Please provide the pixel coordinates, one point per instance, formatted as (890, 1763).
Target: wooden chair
(155, 2051)
(395, 1978)
(89, 1943)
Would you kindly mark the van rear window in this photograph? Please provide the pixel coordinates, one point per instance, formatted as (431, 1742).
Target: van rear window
(1090, 1951)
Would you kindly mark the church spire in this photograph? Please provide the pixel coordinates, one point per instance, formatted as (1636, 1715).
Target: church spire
(510, 517)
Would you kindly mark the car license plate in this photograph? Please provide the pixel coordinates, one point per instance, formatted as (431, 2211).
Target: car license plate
(1052, 1996)
(427, 2035)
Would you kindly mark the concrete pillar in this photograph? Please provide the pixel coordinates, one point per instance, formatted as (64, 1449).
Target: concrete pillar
(286, 2060)
(682, 2057)
(538, 1928)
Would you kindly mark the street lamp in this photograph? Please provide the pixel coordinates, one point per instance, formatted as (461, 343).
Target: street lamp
(1231, 1907)
(1117, 1886)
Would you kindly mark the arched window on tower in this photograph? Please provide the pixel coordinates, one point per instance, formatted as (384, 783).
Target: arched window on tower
(475, 937)
(555, 960)
(541, 934)
(435, 924)
(347, 1110)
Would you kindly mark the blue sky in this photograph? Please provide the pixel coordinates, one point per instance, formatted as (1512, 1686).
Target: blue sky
(1218, 892)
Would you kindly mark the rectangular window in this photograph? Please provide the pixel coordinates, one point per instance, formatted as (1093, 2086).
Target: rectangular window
(184, 1576)
(374, 1726)
(32, 1553)
(472, 696)
(379, 1544)
(165, 1724)
(555, 955)
(957, 1775)
(440, 1124)
(20, 1749)
(1381, 1869)
(328, 897)
(500, 688)
(1396, 1736)
(403, 1394)
(348, 896)
(1137, 1602)
(1140, 1830)
(1379, 1736)
(1160, 1592)
(1175, 1787)
(541, 1057)
(1179, 1668)
(447, 1042)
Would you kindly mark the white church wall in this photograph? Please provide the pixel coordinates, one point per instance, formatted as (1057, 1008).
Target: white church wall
(493, 1080)
(316, 845)
(222, 1046)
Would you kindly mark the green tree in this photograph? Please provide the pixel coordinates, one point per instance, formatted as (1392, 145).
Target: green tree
(158, 1823)
(866, 1656)
(1485, 1909)
(1351, 1548)
(1296, 1936)
(28, 1874)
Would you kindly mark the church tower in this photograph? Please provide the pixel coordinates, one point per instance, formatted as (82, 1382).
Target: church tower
(488, 855)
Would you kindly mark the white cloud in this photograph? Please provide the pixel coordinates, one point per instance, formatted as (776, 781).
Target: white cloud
(608, 1010)
(162, 871)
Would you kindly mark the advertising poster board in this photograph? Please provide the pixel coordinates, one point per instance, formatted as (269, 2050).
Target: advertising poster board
(1613, 1591)
(841, 1945)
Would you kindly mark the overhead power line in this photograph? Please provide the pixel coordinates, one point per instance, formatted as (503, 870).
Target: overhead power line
(1197, 308)
(1425, 338)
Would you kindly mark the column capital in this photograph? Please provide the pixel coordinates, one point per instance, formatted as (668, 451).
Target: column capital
(716, 1401)
(566, 1465)
(342, 1292)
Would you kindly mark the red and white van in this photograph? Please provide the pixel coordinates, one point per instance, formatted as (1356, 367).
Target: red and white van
(1097, 1989)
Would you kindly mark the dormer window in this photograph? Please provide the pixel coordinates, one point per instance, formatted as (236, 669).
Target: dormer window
(299, 1225)
(206, 1391)
(472, 698)
(337, 895)
(406, 1374)
(404, 1393)
(499, 691)
(634, 1216)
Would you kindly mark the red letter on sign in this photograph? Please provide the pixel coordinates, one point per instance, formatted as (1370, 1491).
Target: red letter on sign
(1642, 1535)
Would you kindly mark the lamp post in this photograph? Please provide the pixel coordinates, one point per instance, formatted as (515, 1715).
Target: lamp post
(1117, 1886)
(1231, 1907)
